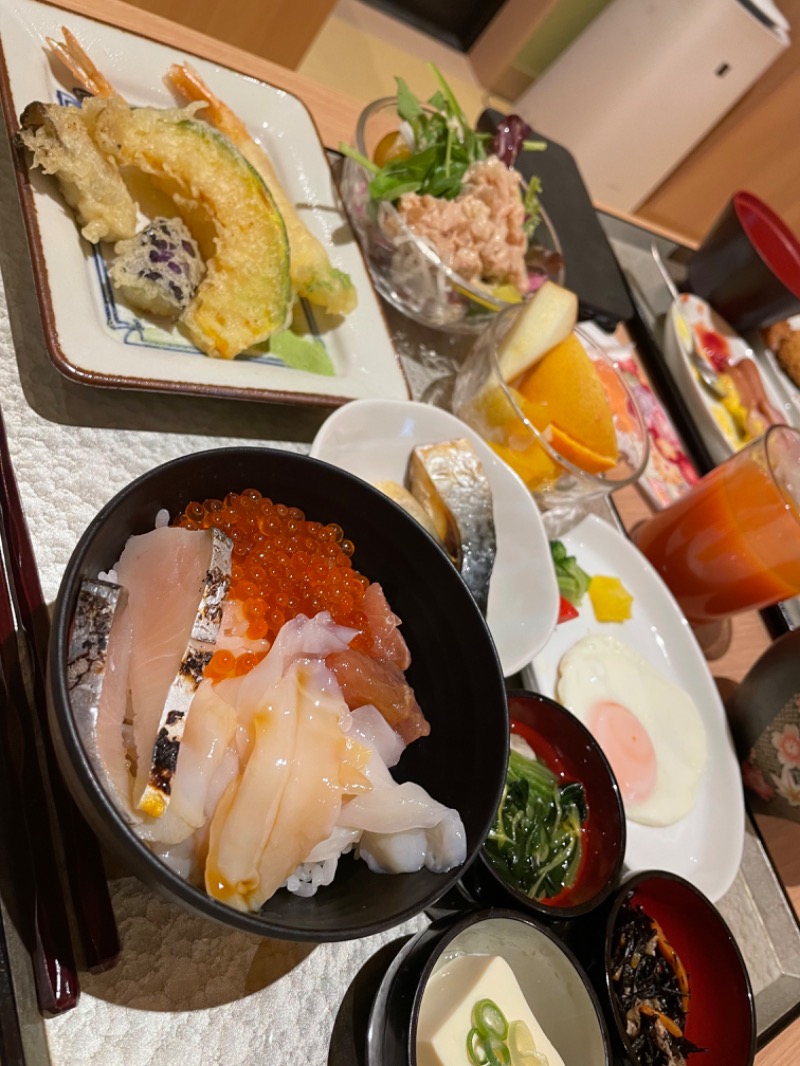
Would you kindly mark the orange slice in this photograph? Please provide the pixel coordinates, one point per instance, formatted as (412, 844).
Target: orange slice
(533, 464)
(566, 382)
(578, 454)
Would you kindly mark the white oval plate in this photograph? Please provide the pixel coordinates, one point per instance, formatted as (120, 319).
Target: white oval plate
(709, 414)
(706, 846)
(373, 439)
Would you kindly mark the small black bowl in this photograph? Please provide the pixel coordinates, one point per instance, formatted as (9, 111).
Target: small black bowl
(552, 980)
(721, 1016)
(564, 744)
(455, 673)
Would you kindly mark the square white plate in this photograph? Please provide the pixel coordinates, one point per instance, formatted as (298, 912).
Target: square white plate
(93, 339)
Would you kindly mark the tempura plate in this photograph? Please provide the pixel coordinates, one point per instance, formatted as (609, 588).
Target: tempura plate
(706, 845)
(94, 339)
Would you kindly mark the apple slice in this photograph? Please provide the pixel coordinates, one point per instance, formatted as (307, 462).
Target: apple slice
(545, 320)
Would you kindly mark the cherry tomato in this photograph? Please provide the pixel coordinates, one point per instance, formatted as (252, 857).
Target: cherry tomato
(392, 146)
(566, 612)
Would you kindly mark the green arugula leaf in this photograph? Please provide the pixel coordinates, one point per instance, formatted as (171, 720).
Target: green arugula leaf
(408, 106)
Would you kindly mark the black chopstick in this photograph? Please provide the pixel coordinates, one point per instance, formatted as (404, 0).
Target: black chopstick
(88, 886)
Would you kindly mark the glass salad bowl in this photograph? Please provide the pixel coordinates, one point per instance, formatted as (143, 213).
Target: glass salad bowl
(406, 268)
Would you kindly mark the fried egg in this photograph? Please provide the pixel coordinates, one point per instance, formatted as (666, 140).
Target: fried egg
(648, 727)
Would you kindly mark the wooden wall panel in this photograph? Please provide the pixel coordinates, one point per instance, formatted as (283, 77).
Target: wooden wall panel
(279, 30)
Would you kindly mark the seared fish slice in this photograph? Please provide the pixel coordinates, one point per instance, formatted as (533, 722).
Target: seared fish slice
(97, 679)
(450, 482)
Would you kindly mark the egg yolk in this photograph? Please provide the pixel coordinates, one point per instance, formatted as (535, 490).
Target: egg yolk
(628, 747)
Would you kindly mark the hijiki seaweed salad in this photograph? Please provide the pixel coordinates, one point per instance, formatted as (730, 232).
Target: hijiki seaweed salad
(239, 688)
(457, 190)
(651, 986)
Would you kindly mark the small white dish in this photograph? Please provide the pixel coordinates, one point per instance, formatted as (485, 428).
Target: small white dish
(97, 340)
(713, 420)
(373, 439)
(706, 846)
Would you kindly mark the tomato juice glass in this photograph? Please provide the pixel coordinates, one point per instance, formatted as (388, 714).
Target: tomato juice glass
(732, 542)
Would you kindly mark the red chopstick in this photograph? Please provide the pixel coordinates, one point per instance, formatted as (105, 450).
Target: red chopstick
(88, 886)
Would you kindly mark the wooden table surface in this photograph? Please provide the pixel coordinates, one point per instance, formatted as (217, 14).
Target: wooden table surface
(335, 115)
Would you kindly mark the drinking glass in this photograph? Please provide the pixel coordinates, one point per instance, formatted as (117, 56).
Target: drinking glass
(732, 542)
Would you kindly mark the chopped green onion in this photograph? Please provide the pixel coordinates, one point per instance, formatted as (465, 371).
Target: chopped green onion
(488, 1018)
(497, 1053)
(476, 1052)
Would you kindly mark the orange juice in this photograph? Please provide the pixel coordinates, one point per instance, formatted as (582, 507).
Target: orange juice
(732, 543)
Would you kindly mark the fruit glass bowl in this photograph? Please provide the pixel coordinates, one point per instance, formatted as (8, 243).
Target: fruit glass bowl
(454, 672)
(559, 469)
(405, 269)
(567, 748)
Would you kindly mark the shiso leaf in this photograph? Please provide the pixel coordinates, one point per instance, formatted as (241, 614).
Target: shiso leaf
(302, 353)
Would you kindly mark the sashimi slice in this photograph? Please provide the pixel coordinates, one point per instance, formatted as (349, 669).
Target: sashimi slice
(365, 680)
(402, 827)
(210, 726)
(176, 580)
(439, 848)
(97, 679)
(385, 638)
(368, 724)
(167, 829)
(300, 638)
(246, 813)
(312, 799)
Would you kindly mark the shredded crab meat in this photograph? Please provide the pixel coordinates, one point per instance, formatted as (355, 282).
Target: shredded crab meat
(480, 233)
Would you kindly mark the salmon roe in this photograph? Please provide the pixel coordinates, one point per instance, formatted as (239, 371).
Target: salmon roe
(282, 566)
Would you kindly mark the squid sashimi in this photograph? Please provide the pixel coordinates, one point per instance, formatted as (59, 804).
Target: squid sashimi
(209, 730)
(246, 813)
(370, 727)
(403, 828)
(382, 684)
(387, 643)
(312, 799)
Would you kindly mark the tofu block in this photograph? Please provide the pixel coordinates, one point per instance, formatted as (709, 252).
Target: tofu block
(445, 1017)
